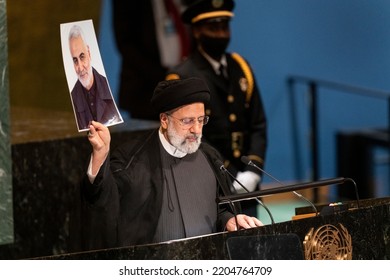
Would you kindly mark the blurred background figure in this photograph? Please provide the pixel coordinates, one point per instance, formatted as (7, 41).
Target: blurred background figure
(150, 37)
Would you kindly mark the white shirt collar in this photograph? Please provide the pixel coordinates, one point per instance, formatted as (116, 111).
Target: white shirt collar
(215, 64)
(173, 151)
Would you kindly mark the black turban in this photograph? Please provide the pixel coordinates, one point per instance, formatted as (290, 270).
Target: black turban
(172, 94)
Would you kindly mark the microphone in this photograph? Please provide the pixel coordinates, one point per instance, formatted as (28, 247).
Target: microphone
(247, 161)
(222, 168)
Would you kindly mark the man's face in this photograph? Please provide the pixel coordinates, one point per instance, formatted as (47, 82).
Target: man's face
(186, 138)
(81, 61)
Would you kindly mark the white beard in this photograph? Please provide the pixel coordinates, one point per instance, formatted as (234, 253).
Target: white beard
(87, 82)
(181, 143)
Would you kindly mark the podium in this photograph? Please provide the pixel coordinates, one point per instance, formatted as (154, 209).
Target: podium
(357, 233)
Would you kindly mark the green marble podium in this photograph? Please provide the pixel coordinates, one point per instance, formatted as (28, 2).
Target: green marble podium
(6, 216)
(367, 229)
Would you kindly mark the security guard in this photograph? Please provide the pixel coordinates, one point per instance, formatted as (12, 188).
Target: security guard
(237, 125)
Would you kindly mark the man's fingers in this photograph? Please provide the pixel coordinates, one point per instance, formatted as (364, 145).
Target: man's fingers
(258, 222)
(249, 222)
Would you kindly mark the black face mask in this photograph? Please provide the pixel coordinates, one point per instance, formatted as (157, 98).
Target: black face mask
(214, 47)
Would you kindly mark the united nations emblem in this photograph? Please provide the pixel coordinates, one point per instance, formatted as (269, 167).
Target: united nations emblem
(328, 242)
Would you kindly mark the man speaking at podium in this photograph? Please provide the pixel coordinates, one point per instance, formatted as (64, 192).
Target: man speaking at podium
(164, 185)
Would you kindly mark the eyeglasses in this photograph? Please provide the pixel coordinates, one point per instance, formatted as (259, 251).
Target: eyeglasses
(190, 122)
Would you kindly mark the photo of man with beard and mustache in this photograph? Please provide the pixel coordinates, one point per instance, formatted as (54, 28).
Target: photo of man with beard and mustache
(91, 96)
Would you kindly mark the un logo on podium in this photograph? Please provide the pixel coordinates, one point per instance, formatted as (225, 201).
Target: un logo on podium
(328, 242)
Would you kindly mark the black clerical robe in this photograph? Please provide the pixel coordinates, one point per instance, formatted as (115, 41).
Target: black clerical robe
(123, 205)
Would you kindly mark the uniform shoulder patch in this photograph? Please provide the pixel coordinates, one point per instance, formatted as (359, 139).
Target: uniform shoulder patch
(248, 74)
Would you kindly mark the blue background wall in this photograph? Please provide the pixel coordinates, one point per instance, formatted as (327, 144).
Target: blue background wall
(345, 41)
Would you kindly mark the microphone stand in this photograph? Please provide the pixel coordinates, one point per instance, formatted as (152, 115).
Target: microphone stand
(245, 160)
(225, 199)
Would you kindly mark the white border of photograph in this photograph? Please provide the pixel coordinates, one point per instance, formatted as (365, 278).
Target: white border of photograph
(96, 60)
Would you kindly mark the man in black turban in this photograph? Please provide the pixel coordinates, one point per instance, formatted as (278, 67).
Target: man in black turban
(162, 186)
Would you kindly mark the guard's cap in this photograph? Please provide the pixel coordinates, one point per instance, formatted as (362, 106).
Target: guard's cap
(208, 9)
(172, 94)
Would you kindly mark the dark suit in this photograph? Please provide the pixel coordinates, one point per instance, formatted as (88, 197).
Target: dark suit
(237, 126)
(125, 200)
(106, 112)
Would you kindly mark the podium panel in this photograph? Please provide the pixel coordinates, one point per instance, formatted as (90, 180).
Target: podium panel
(265, 247)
